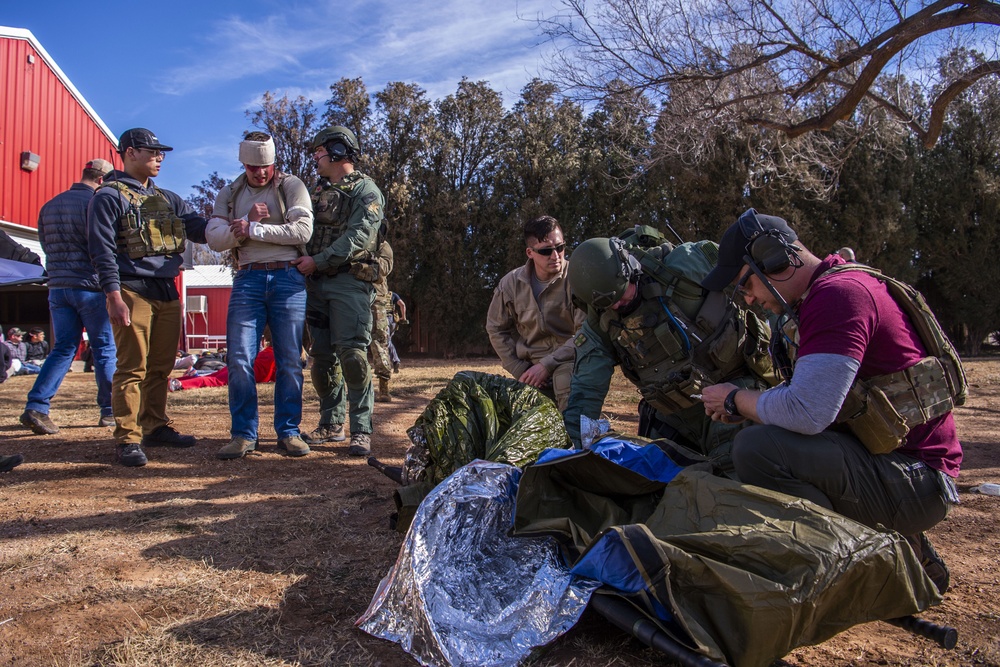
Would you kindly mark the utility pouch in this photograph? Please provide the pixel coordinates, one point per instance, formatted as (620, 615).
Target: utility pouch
(756, 349)
(365, 270)
(665, 334)
(675, 395)
(165, 233)
(871, 417)
(130, 240)
(880, 411)
(724, 350)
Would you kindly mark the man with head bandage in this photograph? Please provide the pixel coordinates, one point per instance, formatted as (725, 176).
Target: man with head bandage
(265, 218)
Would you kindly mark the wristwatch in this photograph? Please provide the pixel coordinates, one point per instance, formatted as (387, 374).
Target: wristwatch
(729, 405)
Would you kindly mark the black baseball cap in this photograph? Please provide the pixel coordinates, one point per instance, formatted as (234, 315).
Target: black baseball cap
(140, 137)
(735, 245)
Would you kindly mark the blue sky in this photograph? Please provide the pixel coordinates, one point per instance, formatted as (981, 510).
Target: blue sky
(188, 70)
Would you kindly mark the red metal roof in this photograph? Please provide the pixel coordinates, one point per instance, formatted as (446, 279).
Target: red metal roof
(42, 113)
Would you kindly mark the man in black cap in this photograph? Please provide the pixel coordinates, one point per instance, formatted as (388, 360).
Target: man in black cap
(851, 339)
(137, 233)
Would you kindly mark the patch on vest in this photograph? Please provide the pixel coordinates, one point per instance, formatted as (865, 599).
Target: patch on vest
(580, 340)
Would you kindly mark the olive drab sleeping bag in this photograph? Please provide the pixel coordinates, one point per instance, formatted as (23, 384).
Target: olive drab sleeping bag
(732, 571)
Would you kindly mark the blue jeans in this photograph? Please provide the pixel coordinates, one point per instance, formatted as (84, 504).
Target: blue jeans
(276, 298)
(72, 310)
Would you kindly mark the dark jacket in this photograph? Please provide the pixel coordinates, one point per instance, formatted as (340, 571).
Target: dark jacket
(37, 351)
(5, 361)
(62, 231)
(11, 249)
(152, 277)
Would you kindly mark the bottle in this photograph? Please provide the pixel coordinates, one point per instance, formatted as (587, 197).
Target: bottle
(987, 489)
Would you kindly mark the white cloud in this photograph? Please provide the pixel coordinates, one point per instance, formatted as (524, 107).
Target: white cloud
(433, 43)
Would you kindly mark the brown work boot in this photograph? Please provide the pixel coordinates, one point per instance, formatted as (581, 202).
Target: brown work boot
(237, 448)
(325, 433)
(383, 395)
(361, 444)
(38, 422)
(293, 445)
(933, 564)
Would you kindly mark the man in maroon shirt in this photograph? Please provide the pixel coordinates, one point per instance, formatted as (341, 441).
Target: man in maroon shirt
(848, 328)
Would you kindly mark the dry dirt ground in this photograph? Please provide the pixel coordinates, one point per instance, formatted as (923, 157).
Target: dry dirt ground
(269, 560)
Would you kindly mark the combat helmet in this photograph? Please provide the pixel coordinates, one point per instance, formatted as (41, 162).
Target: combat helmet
(600, 271)
(339, 142)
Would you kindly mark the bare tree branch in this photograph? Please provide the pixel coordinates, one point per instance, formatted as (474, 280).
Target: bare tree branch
(790, 68)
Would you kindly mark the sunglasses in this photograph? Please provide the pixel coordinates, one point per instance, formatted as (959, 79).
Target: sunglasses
(545, 252)
(741, 289)
(152, 151)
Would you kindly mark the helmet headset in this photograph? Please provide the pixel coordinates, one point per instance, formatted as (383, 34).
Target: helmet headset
(767, 248)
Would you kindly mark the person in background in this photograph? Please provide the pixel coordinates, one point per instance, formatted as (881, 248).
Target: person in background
(395, 316)
(76, 302)
(379, 349)
(38, 347)
(184, 361)
(264, 370)
(531, 319)
(19, 353)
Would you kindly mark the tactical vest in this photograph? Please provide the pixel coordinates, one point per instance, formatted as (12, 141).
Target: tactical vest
(880, 411)
(332, 206)
(149, 226)
(681, 338)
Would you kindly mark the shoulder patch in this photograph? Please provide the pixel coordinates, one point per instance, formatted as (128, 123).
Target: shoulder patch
(580, 340)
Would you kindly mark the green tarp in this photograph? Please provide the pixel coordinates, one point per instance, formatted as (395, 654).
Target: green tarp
(748, 574)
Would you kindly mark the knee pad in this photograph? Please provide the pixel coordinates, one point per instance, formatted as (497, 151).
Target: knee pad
(325, 375)
(357, 372)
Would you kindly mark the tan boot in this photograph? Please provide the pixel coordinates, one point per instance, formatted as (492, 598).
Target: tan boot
(383, 391)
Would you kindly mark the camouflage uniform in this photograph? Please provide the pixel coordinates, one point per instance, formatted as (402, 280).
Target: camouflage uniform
(348, 221)
(670, 342)
(379, 348)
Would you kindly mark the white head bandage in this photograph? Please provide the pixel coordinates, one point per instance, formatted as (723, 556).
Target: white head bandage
(257, 153)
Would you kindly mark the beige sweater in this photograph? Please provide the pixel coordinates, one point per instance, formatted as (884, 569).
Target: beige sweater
(273, 239)
(525, 332)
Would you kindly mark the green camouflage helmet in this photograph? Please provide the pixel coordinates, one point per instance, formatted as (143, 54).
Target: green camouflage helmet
(339, 141)
(600, 271)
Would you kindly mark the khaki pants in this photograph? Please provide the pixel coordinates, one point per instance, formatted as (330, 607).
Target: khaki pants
(146, 352)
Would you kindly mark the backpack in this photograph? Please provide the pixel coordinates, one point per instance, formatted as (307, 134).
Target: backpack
(707, 323)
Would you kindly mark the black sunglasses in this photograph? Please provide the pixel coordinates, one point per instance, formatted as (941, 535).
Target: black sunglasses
(545, 252)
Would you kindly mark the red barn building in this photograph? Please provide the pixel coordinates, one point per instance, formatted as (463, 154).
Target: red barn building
(48, 132)
(206, 292)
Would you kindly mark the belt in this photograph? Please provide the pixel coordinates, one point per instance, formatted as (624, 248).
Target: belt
(266, 266)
